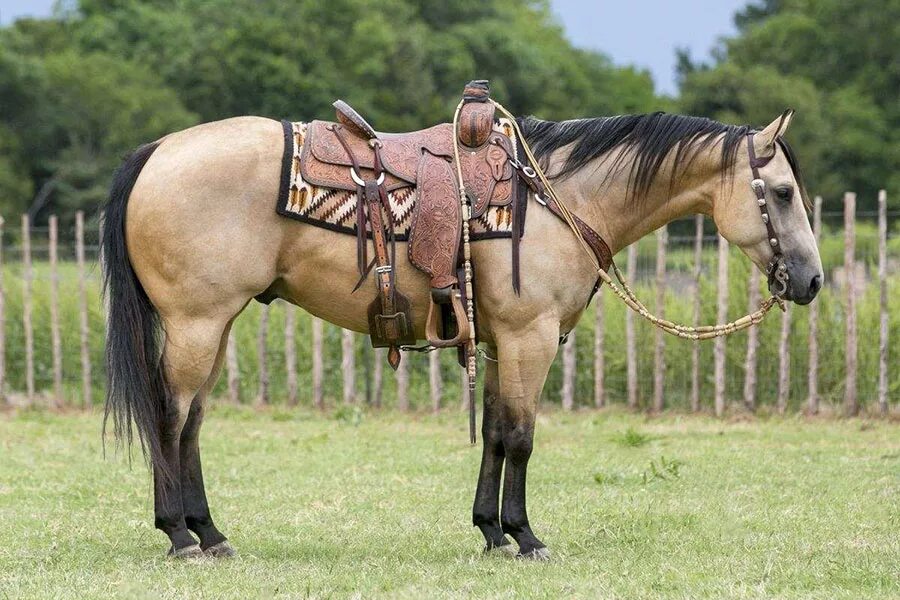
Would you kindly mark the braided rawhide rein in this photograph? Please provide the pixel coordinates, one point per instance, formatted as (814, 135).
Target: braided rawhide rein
(700, 332)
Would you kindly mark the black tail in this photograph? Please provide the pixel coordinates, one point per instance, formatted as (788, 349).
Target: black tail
(136, 385)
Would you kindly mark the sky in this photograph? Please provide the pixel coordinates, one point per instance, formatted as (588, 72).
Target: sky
(644, 33)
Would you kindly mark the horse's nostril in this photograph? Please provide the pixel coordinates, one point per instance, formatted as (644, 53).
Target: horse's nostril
(815, 285)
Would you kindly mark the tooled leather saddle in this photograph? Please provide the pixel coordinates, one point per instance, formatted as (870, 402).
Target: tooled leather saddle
(350, 155)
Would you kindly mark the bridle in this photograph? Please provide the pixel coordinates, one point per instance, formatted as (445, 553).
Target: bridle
(776, 270)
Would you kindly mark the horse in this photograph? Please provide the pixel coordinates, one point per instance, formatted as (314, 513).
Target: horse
(191, 236)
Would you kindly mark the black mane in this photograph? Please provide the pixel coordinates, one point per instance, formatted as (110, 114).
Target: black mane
(649, 137)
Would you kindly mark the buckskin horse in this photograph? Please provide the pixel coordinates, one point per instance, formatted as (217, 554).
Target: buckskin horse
(192, 236)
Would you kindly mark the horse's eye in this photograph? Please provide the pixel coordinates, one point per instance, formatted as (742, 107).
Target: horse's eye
(784, 193)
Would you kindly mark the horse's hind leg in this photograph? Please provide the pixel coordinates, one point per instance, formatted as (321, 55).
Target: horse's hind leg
(189, 356)
(193, 493)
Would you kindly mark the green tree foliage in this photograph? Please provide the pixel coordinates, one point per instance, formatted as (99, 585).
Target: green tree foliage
(81, 89)
(836, 63)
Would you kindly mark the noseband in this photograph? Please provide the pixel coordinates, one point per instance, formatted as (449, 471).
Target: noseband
(776, 269)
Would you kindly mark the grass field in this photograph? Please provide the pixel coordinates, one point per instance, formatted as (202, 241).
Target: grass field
(378, 505)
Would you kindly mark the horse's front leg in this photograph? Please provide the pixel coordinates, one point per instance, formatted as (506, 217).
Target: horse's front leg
(486, 510)
(524, 358)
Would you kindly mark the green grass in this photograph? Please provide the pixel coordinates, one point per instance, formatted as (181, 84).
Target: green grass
(377, 505)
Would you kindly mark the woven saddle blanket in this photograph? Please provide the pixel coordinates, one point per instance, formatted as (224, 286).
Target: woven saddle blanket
(335, 209)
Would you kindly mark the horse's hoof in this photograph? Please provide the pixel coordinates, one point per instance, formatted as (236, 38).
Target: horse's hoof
(504, 550)
(221, 550)
(192, 551)
(540, 554)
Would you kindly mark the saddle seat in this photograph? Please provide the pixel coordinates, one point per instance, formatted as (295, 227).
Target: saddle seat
(487, 173)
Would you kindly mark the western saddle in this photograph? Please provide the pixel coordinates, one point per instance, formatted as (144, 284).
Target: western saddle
(351, 155)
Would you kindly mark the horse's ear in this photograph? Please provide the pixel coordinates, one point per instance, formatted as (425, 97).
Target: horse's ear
(764, 141)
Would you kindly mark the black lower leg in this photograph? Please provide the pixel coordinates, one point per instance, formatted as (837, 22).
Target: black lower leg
(486, 510)
(518, 442)
(168, 509)
(193, 492)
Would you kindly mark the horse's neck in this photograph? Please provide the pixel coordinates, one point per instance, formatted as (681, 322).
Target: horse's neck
(604, 200)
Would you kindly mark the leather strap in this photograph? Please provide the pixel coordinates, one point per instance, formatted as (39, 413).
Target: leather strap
(596, 243)
(362, 260)
(756, 163)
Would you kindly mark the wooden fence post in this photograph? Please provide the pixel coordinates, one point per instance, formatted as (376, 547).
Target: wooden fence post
(599, 358)
(348, 366)
(752, 343)
(55, 335)
(784, 361)
(231, 359)
(378, 377)
(883, 304)
(318, 367)
(568, 382)
(721, 316)
(851, 403)
(83, 323)
(262, 396)
(290, 351)
(630, 342)
(812, 401)
(26, 307)
(402, 378)
(695, 350)
(435, 385)
(2, 321)
(659, 357)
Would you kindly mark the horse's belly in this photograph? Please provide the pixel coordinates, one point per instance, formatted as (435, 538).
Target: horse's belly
(319, 272)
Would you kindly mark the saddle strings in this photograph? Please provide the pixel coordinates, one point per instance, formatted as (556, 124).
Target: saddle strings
(471, 360)
(625, 293)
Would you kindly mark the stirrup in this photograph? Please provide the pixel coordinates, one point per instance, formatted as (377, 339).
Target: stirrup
(433, 321)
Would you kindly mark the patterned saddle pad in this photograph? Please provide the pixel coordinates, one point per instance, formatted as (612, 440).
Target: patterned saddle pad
(335, 209)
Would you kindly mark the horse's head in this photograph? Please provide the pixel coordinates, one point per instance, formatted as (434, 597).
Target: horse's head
(768, 221)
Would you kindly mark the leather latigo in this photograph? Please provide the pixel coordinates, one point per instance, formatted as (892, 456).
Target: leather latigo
(437, 221)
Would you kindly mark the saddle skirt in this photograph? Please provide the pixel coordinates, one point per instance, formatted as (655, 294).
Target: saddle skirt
(335, 207)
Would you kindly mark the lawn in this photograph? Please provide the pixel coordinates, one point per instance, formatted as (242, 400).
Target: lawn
(378, 505)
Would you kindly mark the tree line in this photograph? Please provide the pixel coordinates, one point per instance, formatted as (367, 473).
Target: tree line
(80, 89)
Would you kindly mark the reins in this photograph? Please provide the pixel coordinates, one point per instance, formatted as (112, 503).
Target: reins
(776, 268)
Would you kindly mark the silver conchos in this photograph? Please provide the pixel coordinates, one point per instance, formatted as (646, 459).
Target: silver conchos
(759, 186)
